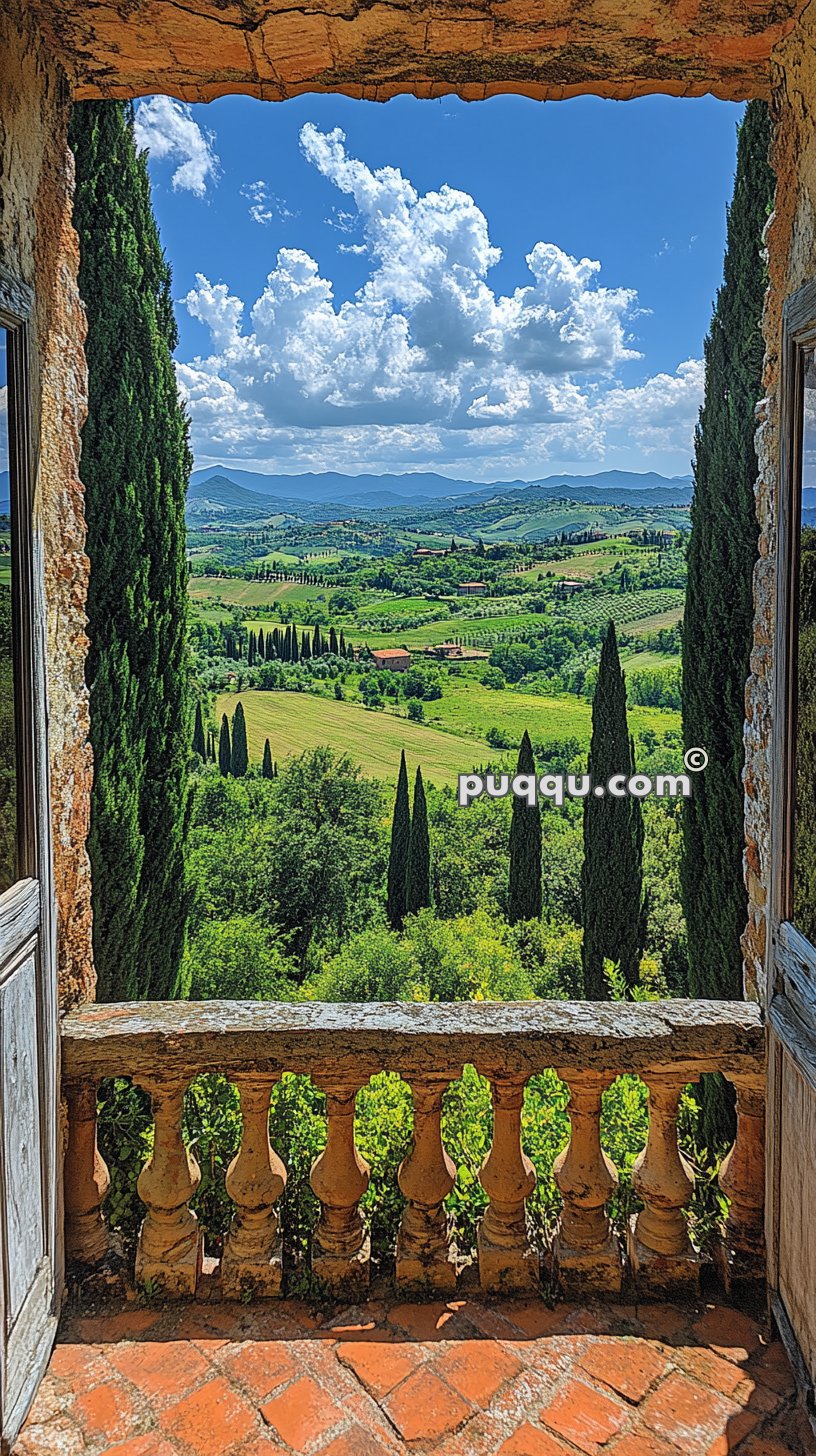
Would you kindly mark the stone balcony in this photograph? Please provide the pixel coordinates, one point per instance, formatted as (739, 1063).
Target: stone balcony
(435, 1347)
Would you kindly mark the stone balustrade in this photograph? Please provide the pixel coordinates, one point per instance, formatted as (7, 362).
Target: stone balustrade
(162, 1046)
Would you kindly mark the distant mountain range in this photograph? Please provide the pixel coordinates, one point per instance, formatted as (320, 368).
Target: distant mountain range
(223, 489)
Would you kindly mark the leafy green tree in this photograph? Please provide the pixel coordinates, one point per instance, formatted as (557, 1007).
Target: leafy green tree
(717, 629)
(524, 900)
(224, 750)
(418, 873)
(266, 765)
(723, 549)
(135, 466)
(199, 742)
(239, 757)
(398, 857)
(612, 907)
(416, 710)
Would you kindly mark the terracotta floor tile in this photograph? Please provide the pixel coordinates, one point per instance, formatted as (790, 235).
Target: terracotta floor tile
(772, 1367)
(58, 1438)
(84, 1364)
(380, 1364)
(302, 1413)
(662, 1321)
(160, 1368)
(213, 1420)
(585, 1416)
(638, 1444)
(128, 1324)
(150, 1444)
(710, 1368)
(259, 1367)
(477, 1369)
(437, 1321)
(631, 1367)
(728, 1331)
(423, 1408)
(264, 1446)
(354, 1442)
(534, 1318)
(686, 1413)
(529, 1441)
(736, 1429)
(107, 1411)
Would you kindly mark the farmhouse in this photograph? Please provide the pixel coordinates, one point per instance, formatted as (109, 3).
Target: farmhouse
(396, 659)
(472, 588)
(445, 650)
(566, 587)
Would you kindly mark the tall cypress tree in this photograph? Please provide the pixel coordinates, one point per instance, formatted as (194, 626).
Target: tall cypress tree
(722, 551)
(305, 646)
(317, 643)
(524, 901)
(398, 857)
(135, 465)
(239, 756)
(333, 644)
(224, 751)
(267, 770)
(612, 872)
(418, 872)
(295, 649)
(199, 742)
(717, 628)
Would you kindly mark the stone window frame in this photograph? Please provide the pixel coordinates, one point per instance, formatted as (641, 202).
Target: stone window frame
(792, 963)
(16, 309)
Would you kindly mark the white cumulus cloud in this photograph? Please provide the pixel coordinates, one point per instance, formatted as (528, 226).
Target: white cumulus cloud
(427, 363)
(168, 131)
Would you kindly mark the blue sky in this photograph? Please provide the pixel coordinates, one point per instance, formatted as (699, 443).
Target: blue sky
(495, 290)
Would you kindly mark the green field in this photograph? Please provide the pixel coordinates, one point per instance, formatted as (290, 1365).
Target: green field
(296, 721)
(238, 593)
(466, 707)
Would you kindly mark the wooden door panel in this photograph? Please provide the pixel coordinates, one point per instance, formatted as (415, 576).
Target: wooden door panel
(22, 1139)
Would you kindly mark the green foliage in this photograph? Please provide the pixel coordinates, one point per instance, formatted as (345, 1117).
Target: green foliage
(524, 898)
(719, 610)
(266, 766)
(398, 855)
(239, 959)
(612, 873)
(224, 749)
(239, 755)
(199, 745)
(418, 872)
(135, 468)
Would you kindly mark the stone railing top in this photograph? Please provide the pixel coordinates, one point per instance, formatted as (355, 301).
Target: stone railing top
(173, 1038)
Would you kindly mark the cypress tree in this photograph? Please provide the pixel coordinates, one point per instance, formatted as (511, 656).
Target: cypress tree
(135, 466)
(239, 756)
(266, 766)
(276, 646)
(524, 901)
(333, 641)
(261, 643)
(224, 752)
(717, 629)
(317, 643)
(418, 872)
(305, 646)
(341, 646)
(295, 650)
(199, 744)
(286, 654)
(398, 857)
(723, 549)
(251, 650)
(612, 872)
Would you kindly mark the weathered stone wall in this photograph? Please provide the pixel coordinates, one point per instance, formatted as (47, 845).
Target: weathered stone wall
(38, 243)
(791, 240)
(548, 49)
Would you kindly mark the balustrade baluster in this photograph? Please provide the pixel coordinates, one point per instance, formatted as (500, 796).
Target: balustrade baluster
(86, 1179)
(256, 1177)
(507, 1260)
(341, 1247)
(169, 1250)
(426, 1254)
(662, 1256)
(586, 1249)
(742, 1180)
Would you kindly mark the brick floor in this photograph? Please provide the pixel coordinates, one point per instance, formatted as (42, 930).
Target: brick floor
(465, 1378)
